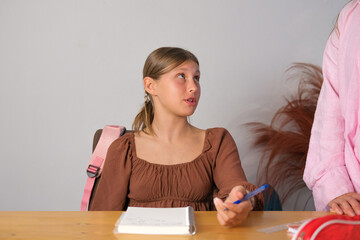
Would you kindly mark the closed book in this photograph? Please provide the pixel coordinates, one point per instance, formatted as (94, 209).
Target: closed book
(162, 221)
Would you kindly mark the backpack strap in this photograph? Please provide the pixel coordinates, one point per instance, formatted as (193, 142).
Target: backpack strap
(97, 160)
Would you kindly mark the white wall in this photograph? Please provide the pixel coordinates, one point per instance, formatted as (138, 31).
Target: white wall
(69, 67)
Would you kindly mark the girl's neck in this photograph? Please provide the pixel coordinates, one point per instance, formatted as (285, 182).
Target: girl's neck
(171, 131)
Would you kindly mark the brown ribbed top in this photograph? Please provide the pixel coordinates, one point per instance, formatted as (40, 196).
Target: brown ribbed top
(130, 181)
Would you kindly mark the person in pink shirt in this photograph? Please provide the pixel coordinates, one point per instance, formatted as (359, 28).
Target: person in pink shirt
(332, 168)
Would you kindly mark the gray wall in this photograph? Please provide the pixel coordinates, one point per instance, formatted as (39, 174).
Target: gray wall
(70, 67)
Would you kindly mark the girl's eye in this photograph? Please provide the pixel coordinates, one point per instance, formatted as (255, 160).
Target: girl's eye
(197, 78)
(181, 75)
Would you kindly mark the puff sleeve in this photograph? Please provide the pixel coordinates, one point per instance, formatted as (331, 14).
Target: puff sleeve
(227, 168)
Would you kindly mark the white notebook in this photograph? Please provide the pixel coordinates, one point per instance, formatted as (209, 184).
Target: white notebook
(167, 221)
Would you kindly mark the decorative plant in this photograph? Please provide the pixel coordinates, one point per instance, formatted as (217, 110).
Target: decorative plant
(284, 142)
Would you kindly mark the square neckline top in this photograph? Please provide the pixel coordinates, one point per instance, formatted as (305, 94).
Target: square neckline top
(206, 146)
(131, 181)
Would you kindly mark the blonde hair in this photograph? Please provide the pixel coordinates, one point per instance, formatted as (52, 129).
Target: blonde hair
(159, 62)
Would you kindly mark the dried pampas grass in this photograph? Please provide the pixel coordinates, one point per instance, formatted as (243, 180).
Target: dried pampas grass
(284, 143)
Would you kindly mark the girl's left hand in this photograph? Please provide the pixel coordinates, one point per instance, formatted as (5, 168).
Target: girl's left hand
(235, 213)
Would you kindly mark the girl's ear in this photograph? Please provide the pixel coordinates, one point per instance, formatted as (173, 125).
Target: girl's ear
(150, 85)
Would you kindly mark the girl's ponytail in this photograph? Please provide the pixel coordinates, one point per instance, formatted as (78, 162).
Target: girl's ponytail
(144, 118)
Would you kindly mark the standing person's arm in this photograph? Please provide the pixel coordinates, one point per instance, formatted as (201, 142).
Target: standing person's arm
(326, 173)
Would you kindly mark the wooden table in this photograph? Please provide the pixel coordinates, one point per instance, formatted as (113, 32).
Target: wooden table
(100, 225)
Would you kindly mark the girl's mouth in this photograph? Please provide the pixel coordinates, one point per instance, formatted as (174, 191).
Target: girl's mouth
(191, 101)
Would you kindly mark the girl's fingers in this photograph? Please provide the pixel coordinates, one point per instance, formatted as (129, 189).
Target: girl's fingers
(236, 193)
(239, 208)
(221, 220)
(220, 206)
(235, 213)
(230, 214)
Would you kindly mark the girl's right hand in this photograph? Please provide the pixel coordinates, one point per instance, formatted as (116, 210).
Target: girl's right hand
(235, 213)
(347, 203)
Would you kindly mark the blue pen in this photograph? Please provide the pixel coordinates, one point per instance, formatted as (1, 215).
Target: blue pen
(250, 195)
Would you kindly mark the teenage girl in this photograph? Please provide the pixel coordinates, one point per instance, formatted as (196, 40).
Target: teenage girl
(167, 162)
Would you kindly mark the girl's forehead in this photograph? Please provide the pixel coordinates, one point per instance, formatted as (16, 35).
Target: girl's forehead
(188, 65)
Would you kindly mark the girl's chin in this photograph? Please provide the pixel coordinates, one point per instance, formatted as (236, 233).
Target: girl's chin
(187, 114)
(190, 114)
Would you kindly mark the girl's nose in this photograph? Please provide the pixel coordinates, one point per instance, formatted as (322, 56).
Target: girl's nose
(193, 86)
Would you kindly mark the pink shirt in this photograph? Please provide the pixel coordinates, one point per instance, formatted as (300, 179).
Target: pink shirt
(333, 161)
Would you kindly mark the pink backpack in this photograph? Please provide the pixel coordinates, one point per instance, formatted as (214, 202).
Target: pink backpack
(97, 160)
